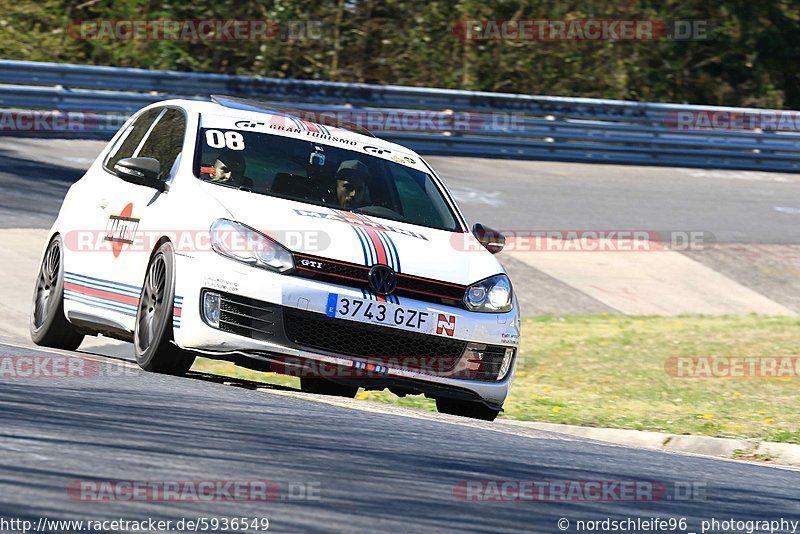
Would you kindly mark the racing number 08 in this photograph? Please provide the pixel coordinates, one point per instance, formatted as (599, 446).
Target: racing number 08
(230, 140)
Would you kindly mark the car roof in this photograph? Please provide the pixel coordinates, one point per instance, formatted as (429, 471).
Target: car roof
(216, 108)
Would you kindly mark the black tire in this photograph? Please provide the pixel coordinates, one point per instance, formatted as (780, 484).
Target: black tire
(48, 325)
(473, 410)
(321, 386)
(153, 335)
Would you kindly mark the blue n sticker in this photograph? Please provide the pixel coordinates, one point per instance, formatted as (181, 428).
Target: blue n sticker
(330, 309)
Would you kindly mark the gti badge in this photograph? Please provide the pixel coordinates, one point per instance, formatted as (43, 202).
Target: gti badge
(312, 264)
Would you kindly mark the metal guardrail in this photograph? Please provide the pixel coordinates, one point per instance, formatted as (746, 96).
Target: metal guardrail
(544, 127)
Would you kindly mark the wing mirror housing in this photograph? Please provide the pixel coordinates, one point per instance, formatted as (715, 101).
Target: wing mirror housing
(492, 240)
(141, 171)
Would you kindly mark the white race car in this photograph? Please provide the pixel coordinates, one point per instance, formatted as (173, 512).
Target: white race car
(238, 232)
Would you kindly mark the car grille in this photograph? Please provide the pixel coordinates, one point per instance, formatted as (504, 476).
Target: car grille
(397, 348)
(353, 275)
(248, 317)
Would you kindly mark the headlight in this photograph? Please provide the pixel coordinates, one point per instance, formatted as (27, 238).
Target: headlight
(490, 295)
(244, 244)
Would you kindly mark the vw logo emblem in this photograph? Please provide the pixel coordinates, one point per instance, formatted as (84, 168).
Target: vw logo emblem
(382, 280)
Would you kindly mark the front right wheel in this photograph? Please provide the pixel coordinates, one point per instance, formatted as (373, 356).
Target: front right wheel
(471, 409)
(155, 350)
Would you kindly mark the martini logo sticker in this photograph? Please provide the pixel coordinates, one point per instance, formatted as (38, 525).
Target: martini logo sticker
(121, 229)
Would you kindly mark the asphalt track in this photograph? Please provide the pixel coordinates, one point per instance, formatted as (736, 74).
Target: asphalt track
(374, 471)
(734, 206)
(388, 470)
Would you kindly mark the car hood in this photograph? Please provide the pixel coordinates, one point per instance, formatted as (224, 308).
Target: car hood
(364, 240)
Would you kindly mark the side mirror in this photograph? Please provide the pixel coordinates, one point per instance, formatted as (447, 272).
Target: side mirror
(492, 240)
(141, 171)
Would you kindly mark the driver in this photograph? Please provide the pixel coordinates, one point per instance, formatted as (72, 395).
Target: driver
(351, 183)
(229, 169)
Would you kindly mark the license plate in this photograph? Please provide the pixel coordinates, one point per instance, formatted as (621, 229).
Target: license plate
(382, 313)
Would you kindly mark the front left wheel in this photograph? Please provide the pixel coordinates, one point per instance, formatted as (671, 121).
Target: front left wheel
(49, 326)
(153, 336)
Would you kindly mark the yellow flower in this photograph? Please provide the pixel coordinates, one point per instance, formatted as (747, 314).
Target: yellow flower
(547, 389)
(556, 409)
(362, 395)
(769, 420)
(762, 412)
(706, 416)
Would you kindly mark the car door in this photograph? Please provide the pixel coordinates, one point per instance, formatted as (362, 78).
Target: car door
(125, 218)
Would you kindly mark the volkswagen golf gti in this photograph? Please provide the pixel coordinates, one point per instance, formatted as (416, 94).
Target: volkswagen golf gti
(241, 232)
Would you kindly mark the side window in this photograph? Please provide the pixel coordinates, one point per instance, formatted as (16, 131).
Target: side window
(165, 142)
(130, 140)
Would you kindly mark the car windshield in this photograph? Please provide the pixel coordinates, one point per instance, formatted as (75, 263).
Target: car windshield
(321, 174)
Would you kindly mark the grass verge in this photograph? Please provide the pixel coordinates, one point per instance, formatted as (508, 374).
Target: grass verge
(611, 371)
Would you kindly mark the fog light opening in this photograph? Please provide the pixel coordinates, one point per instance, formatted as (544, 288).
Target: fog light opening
(211, 308)
(506, 365)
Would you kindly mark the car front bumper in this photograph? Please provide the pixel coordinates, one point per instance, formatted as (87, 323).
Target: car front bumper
(309, 298)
